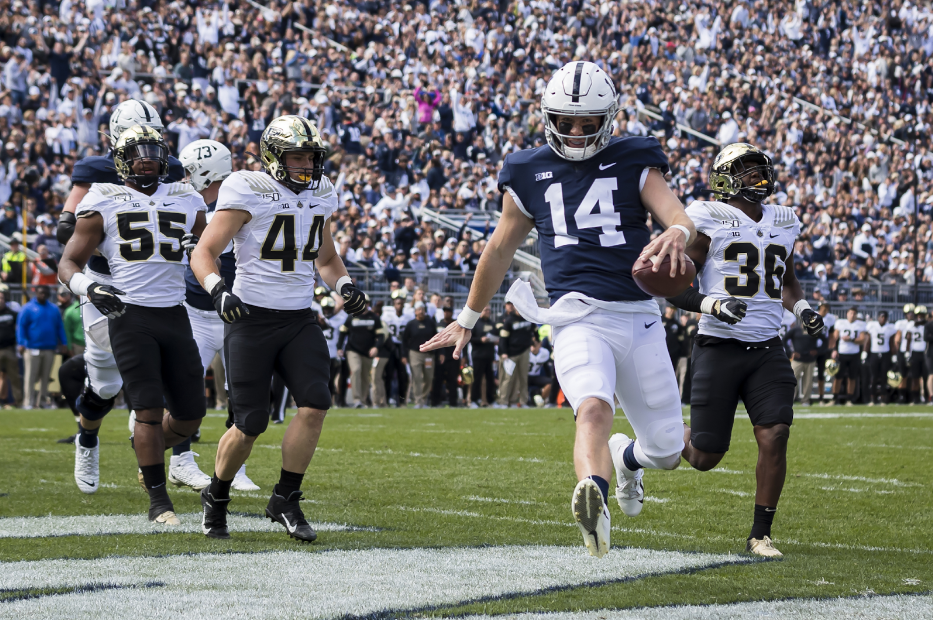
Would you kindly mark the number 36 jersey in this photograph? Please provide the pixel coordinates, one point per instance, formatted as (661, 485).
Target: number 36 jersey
(746, 260)
(142, 238)
(276, 249)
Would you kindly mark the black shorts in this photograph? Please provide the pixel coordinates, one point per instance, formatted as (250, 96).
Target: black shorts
(289, 342)
(159, 360)
(821, 366)
(850, 365)
(903, 363)
(726, 370)
(918, 365)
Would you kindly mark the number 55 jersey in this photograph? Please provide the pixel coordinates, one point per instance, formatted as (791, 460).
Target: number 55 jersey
(142, 238)
(747, 260)
(276, 249)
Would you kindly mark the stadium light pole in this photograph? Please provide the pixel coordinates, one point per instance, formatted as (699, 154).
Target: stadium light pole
(917, 270)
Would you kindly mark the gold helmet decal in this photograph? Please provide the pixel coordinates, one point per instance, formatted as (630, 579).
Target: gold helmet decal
(894, 379)
(292, 134)
(140, 142)
(832, 368)
(734, 171)
(466, 375)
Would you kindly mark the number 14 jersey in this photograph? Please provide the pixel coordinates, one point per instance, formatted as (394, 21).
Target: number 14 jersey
(276, 249)
(747, 260)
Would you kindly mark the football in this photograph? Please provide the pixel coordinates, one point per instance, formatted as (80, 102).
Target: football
(660, 283)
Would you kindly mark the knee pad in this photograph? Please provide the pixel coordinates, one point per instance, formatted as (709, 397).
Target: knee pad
(92, 406)
(315, 395)
(656, 376)
(671, 461)
(253, 424)
(183, 428)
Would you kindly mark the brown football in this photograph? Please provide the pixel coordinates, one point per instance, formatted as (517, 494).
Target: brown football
(660, 283)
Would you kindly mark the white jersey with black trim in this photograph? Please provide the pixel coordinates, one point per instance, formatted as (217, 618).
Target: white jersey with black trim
(903, 326)
(746, 260)
(880, 336)
(396, 323)
(852, 330)
(275, 250)
(142, 238)
(917, 343)
(332, 331)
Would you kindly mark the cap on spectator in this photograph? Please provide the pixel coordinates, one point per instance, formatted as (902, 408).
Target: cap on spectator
(415, 251)
(34, 91)
(110, 97)
(439, 233)
(819, 268)
(210, 89)
(181, 86)
(866, 227)
(10, 146)
(726, 115)
(147, 88)
(419, 304)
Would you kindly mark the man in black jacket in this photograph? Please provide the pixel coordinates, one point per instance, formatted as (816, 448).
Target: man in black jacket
(418, 331)
(515, 336)
(9, 365)
(483, 344)
(361, 336)
(448, 369)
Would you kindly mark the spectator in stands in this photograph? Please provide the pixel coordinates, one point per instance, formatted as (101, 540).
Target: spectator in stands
(483, 341)
(14, 263)
(40, 332)
(9, 363)
(447, 369)
(71, 317)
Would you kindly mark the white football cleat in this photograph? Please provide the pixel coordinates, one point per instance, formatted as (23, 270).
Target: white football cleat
(241, 481)
(183, 471)
(87, 467)
(630, 492)
(763, 547)
(592, 515)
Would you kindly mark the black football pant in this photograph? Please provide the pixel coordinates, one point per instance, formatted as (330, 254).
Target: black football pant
(445, 375)
(395, 368)
(879, 364)
(335, 365)
(279, 397)
(482, 367)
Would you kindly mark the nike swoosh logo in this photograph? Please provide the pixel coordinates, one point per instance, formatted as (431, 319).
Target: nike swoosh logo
(606, 166)
(288, 526)
(647, 325)
(168, 204)
(773, 236)
(770, 509)
(90, 484)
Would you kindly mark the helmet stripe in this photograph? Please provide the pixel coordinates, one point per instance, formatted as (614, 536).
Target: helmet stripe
(148, 116)
(307, 125)
(577, 75)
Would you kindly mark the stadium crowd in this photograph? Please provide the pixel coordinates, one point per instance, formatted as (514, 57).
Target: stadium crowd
(420, 102)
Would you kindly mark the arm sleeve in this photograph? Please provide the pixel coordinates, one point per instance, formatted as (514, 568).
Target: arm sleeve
(689, 300)
(66, 227)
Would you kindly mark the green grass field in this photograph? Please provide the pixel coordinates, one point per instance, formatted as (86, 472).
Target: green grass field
(856, 517)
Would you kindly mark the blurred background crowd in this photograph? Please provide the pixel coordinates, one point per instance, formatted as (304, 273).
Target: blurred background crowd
(420, 102)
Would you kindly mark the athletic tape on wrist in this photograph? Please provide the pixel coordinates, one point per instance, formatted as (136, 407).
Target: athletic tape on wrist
(684, 230)
(79, 284)
(210, 281)
(468, 317)
(707, 305)
(800, 306)
(341, 281)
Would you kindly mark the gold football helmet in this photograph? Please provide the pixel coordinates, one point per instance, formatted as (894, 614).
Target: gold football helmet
(894, 379)
(729, 177)
(832, 368)
(290, 134)
(466, 375)
(137, 143)
(908, 308)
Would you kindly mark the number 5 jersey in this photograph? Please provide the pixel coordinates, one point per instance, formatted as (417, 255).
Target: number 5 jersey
(142, 238)
(275, 250)
(747, 260)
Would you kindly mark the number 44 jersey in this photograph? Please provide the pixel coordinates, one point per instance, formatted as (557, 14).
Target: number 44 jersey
(747, 260)
(275, 250)
(142, 238)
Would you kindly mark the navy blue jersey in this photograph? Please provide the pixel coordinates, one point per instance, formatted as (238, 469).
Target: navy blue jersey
(195, 295)
(100, 169)
(590, 220)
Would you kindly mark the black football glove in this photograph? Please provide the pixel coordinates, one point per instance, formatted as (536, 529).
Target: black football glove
(188, 242)
(104, 297)
(354, 300)
(729, 310)
(812, 322)
(228, 305)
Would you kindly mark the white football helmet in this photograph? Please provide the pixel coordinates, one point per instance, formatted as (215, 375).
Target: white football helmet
(579, 89)
(206, 161)
(133, 112)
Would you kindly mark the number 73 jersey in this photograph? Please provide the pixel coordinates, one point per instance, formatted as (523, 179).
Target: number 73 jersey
(747, 260)
(142, 238)
(275, 251)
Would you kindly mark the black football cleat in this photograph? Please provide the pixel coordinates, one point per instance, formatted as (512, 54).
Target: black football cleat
(70, 439)
(288, 513)
(214, 517)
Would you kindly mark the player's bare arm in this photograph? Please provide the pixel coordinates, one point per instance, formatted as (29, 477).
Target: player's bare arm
(513, 227)
(666, 209)
(794, 300)
(89, 230)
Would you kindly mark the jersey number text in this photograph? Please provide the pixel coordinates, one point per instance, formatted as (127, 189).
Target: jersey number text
(774, 269)
(284, 225)
(596, 210)
(171, 225)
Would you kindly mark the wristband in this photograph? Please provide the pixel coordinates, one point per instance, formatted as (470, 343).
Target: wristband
(683, 229)
(800, 306)
(468, 317)
(340, 282)
(79, 284)
(210, 282)
(707, 305)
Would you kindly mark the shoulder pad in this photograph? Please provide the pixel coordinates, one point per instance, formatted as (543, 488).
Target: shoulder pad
(784, 217)
(110, 190)
(258, 182)
(95, 169)
(179, 189)
(714, 209)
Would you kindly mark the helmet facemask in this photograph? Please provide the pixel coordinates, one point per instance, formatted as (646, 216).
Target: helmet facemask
(743, 171)
(151, 151)
(595, 136)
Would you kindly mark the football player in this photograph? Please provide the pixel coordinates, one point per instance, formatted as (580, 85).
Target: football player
(882, 335)
(279, 220)
(850, 338)
(207, 163)
(331, 319)
(918, 359)
(104, 380)
(140, 229)
(745, 253)
(396, 317)
(904, 326)
(589, 196)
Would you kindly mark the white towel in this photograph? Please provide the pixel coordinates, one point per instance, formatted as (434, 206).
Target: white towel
(571, 307)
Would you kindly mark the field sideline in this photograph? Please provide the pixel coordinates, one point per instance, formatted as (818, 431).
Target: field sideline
(461, 512)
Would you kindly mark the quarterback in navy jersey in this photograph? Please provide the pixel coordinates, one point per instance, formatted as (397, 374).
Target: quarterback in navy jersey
(589, 196)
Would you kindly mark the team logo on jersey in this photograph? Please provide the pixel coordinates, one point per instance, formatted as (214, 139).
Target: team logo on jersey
(541, 176)
(760, 233)
(271, 196)
(300, 205)
(731, 223)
